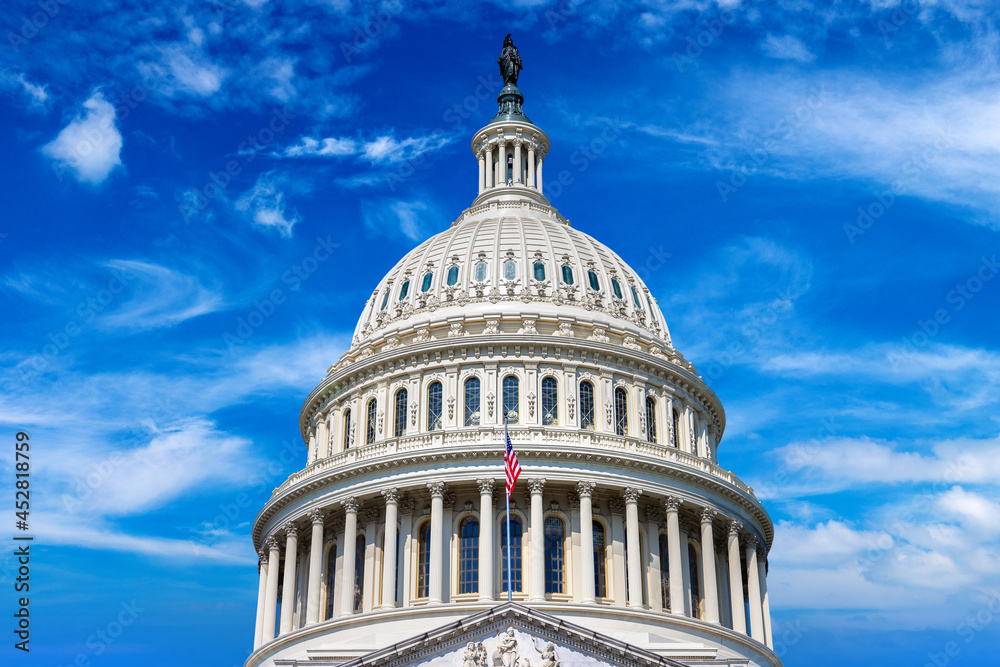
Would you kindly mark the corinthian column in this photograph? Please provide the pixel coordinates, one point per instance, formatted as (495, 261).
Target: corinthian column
(482, 171)
(489, 166)
(288, 585)
(586, 560)
(434, 584)
(350, 556)
(674, 572)
(631, 497)
(753, 590)
(271, 595)
(389, 548)
(258, 632)
(765, 605)
(708, 566)
(537, 591)
(485, 539)
(737, 604)
(315, 567)
(517, 162)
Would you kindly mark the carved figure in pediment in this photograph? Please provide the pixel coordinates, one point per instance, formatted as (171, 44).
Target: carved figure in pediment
(549, 657)
(470, 657)
(506, 653)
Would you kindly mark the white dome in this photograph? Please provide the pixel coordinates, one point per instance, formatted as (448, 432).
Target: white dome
(503, 260)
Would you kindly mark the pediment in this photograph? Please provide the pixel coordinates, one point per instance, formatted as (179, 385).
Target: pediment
(511, 635)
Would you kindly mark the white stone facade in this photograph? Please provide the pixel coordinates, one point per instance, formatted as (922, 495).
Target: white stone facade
(628, 526)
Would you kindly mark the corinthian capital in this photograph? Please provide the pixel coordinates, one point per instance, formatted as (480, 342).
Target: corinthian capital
(672, 503)
(735, 527)
(750, 541)
(436, 489)
(631, 494)
(272, 543)
(350, 504)
(585, 489)
(536, 486)
(291, 530)
(485, 486)
(407, 505)
(708, 514)
(316, 516)
(391, 496)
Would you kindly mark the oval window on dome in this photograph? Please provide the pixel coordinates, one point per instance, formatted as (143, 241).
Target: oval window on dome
(480, 272)
(567, 273)
(509, 269)
(595, 284)
(616, 287)
(385, 299)
(539, 269)
(426, 284)
(452, 276)
(404, 290)
(635, 298)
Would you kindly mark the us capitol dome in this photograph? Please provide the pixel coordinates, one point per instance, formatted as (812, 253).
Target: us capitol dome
(629, 544)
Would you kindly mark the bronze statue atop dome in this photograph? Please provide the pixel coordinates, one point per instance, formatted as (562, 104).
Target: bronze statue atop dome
(509, 61)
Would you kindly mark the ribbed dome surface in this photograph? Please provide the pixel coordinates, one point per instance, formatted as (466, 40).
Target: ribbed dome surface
(500, 258)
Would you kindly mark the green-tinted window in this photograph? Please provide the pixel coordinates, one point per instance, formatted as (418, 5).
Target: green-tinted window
(426, 284)
(635, 297)
(480, 272)
(616, 287)
(539, 271)
(594, 282)
(452, 276)
(567, 273)
(404, 290)
(509, 269)
(385, 299)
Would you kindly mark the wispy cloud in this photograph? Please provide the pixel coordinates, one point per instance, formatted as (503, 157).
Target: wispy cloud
(90, 145)
(265, 204)
(387, 217)
(380, 150)
(157, 296)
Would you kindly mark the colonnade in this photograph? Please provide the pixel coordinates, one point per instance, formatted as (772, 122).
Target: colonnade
(510, 160)
(725, 584)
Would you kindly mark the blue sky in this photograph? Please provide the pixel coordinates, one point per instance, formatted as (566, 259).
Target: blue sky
(810, 190)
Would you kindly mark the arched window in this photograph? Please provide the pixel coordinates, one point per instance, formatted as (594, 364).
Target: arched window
(452, 276)
(587, 405)
(434, 406)
(370, 426)
(472, 402)
(468, 556)
(399, 419)
(425, 285)
(567, 274)
(665, 570)
(621, 411)
(359, 571)
(677, 428)
(600, 562)
(423, 559)
(511, 397)
(595, 284)
(550, 402)
(695, 581)
(347, 428)
(555, 555)
(515, 553)
(331, 579)
(404, 290)
(616, 287)
(650, 419)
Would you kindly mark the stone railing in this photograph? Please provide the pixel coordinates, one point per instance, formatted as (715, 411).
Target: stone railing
(525, 438)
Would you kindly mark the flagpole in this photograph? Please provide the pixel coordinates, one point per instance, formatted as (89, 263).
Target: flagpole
(506, 439)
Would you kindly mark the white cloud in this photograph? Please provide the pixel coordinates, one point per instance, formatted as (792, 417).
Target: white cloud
(786, 47)
(36, 95)
(190, 71)
(387, 216)
(384, 149)
(328, 147)
(90, 146)
(155, 296)
(265, 203)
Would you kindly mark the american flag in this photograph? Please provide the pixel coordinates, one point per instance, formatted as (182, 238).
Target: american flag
(510, 464)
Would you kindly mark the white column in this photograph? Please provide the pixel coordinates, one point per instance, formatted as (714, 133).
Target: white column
(586, 560)
(737, 605)
(313, 594)
(502, 163)
(288, 584)
(482, 172)
(538, 174)
(685, 527)
(674, 572)
(517, 162)
(531, 165)
(389, 549)
(271, 595)
(434, 586)
(311, 445)
(349, 557)
(322, 438)
(654, 581)
(370, 581)
(617, 574)
(765, 605)
(753, 590)
(631, 496)
(489, 167)
(708, 566)
(537, 591)
(258, 632)
(405, 588)
(485, 539)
